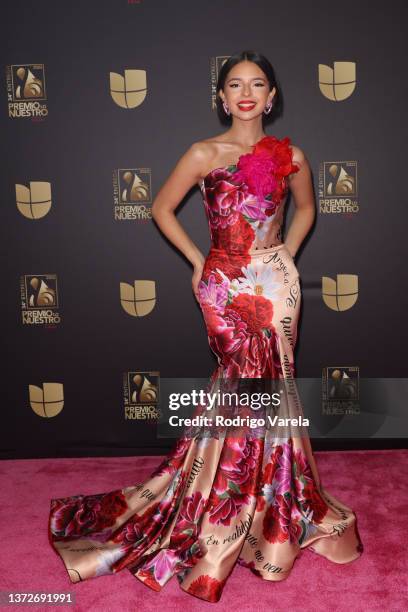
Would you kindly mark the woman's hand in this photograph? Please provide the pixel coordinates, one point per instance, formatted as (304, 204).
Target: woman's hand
(290, 252)
(197, 274)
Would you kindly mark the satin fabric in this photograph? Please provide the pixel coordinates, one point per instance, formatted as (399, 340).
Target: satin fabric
(222, 496)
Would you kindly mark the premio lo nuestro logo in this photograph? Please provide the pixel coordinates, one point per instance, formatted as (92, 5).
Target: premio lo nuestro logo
(141, 396)
(40, 299)
(340, 390)
(132, 194)
(215, 67)
(26, 92)
(338, 191)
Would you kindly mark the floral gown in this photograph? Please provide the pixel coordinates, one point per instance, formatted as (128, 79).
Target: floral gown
(224, 496)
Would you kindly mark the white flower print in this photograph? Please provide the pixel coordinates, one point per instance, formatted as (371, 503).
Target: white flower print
(259, 279)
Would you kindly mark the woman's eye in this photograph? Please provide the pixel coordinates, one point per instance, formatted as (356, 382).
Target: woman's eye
(256, 84)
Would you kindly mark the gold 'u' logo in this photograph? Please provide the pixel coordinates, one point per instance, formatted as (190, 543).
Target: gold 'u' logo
(48, 400)
(339, 82)
(140, 299)
(340, 294)
(34, 202)
(130, 90)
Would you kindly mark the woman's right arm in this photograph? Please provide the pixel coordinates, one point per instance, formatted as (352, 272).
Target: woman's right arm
(187, 172)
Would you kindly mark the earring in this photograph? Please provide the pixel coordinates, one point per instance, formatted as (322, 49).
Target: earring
(226, 109)
(268, 108)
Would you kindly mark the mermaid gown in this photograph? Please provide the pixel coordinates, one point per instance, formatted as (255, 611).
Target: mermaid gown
(224, 495)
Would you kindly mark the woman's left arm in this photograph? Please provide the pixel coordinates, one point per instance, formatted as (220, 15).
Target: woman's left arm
(301, 186)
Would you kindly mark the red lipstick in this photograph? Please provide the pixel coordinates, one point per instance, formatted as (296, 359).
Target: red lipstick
(246, 105)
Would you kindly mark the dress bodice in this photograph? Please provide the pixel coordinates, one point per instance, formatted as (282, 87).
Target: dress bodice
(244, 202)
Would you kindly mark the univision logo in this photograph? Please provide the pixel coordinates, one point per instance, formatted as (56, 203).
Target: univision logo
(340, 294)
(130, 90)
(48, 400)
(139, 299)
(34, 202)
(339, 82)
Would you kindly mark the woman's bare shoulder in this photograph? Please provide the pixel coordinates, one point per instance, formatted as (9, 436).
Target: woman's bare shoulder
(203, 153)
(207, 146)
(298, 155)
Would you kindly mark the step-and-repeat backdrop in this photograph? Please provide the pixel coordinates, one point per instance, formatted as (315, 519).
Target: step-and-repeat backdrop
(100, 99)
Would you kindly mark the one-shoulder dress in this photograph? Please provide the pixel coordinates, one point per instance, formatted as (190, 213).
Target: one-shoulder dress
(225, 495)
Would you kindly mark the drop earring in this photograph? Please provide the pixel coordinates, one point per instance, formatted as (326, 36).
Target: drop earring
(226, 109)
(268, 108)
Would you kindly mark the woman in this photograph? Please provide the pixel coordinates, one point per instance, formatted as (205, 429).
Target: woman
(227, 494)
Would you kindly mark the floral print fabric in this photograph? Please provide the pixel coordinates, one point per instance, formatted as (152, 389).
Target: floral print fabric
(247, 497)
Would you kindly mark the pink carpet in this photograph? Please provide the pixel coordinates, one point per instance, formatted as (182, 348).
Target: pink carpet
(373, 483)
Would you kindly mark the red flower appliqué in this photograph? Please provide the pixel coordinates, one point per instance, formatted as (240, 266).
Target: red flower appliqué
(266, 168)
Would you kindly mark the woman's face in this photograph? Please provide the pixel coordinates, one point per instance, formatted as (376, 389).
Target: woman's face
(246, 90)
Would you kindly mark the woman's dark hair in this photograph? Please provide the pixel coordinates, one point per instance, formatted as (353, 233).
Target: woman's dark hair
(266, 66)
